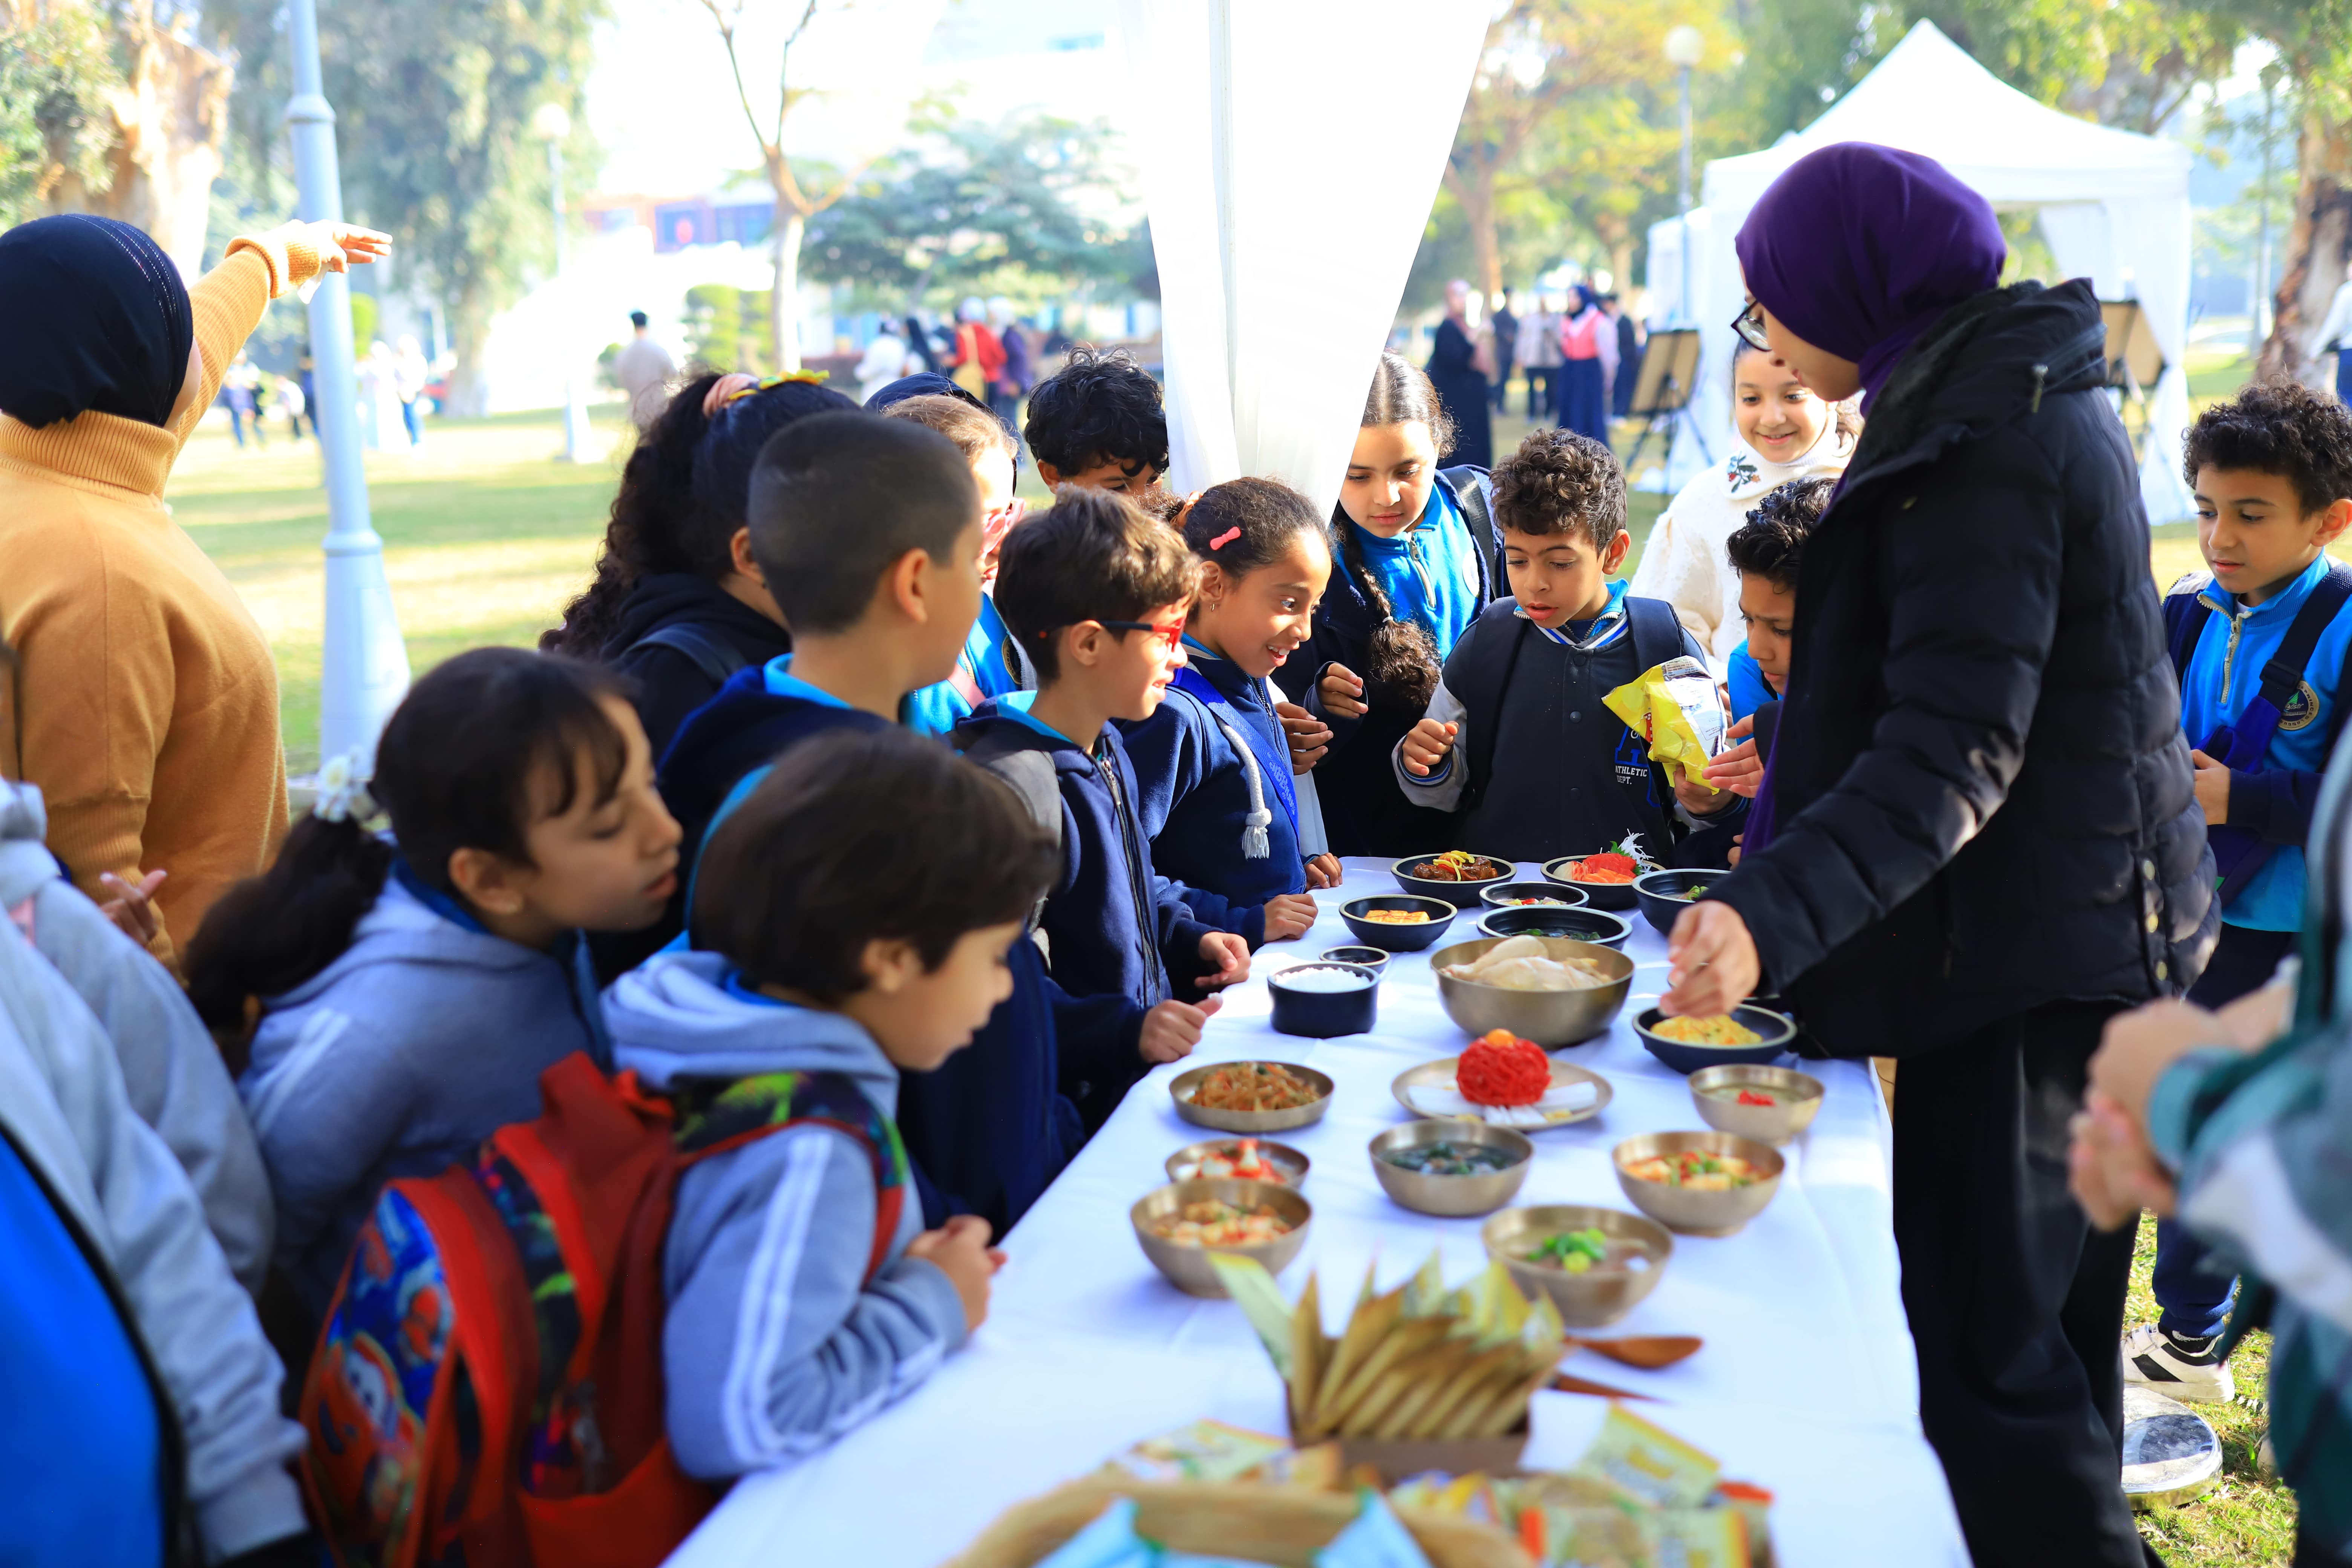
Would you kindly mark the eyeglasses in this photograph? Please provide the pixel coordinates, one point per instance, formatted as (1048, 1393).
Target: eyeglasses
(1749, 325)
(1172, 633)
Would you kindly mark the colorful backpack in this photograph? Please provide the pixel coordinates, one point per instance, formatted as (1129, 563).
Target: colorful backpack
(487, 1384)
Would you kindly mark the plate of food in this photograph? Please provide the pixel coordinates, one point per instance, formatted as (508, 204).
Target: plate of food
(1240, 1160)
(1606, 875)
(1450, 873)
(1746, 1035)
(1502, 1082)
(1178, 1225)
(1397, 922)
(1596, 1264)
(1552, 989)
(1250, 1096)
(1664, 894)
(1702, 1184)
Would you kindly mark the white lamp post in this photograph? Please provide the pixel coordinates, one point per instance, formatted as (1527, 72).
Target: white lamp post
(551, 125)
(1685, 45)
(363, 666)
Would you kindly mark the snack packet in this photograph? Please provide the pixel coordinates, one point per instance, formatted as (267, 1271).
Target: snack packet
(1677, 708)
(1648, 1461)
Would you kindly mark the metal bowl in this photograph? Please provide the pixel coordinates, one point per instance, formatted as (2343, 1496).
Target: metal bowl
(1698, 1213)
(1451, 893)
(1600, 895)
(1375, 958)
(1187, 1268)
(1778, 1028)
(1293, 1164)
(1588, 1300)
(1499, 895)
(1799, 1094)
(1664, 895)
(1550, 1019)
(1452, 1196)
(1582, 924)
(1181, 1085)
(1398, 939)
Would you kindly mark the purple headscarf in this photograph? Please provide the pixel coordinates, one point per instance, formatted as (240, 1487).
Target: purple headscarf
(1859, 247)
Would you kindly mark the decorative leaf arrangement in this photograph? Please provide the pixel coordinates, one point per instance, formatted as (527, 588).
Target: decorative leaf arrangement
(1420, 1360)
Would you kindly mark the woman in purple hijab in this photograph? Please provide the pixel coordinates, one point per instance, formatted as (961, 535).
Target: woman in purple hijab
(1976, 837)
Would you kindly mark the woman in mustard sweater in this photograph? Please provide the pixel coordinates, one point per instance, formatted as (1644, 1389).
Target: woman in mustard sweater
(146, 706)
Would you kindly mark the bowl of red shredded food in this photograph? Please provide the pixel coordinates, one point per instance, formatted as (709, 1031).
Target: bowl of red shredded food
(1252, 1096)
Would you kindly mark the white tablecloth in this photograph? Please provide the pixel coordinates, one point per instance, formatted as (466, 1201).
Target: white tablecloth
(1806, 1384)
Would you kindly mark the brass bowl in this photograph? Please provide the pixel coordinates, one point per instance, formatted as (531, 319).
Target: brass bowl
(1186, 1267)
(1550, 1019)
(1293, 1164)
(1452, 1196)
(1691, 1212)
(1800, 1101)
(1587, 1301)
(1181, 1085)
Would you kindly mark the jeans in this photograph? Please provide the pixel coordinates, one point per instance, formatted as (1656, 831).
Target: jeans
(414, 421)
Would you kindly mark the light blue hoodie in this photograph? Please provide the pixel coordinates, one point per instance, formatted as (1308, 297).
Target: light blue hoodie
(776, 1342)
(427, 1034)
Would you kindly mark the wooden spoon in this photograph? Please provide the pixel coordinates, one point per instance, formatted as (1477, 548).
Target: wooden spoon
(1648, 1352)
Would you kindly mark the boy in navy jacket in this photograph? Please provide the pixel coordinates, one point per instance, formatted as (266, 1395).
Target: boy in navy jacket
(1518, 745)
(2260, 645)
(1095, 592)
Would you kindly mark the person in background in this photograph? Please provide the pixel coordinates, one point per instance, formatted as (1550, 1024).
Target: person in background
(2335, 336)
(1012, 381)
(2259, 642)
(288, 400)
(885, 360)
(1538, 355)
(1628, 357)
(920, 345)
(1458, 372)
(147, 702)
(409, 372)
(642, 368)
(1505, 322)
(1784, 431)
(307, 374)
(1416, 562)
(1099, 422)
(1978, 678)
(1588, 350)
(237, 394)
(979, 361)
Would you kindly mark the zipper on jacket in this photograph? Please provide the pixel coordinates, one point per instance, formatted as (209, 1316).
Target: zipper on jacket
(1139, 885)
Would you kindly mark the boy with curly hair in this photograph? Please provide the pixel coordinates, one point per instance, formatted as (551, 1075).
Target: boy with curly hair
(1517, 745)
(1097, 422)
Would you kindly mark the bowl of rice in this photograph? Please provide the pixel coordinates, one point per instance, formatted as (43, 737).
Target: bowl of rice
(1746, 1035)
(1322, 999)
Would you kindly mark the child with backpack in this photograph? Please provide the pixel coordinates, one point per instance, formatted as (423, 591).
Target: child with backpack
(1218, 798)
(2259, 643)
(855, 914)
(406, 993)
(1517, 746)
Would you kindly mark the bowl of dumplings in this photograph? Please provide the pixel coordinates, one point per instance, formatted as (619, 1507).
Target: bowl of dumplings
(1552, 990)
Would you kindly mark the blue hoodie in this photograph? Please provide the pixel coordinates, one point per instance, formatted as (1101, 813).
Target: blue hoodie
(1198, 794)
(775, 1341)
(425, 1036)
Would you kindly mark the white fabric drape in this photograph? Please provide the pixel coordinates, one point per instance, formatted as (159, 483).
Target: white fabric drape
(1290, 151)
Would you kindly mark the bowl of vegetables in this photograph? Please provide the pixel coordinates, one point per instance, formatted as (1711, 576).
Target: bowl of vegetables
(1397, 922)
(1606, 875)
(1664, 895)
(1451, 1167)
(1450, 874)
(1178, 1225)
(1746, 1035)
(1598, 926)
(1700, 1183)
(1771, 1105)
(1596, 1264)
(1240, 1160)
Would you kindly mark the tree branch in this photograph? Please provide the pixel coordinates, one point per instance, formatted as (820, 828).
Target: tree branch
(743, 94)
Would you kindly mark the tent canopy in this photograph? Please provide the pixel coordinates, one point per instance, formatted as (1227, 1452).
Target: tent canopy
(2113, 204)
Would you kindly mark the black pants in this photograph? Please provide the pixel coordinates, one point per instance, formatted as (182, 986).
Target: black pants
(2015, 1302)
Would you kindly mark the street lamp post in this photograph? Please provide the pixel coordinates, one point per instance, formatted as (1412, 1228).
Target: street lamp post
(1685, 45)
(363, 666)
(551, 125)
(2256, 308)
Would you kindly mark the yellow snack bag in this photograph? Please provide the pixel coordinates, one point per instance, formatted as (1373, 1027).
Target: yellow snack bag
(1678, 710)
(1649, 1462)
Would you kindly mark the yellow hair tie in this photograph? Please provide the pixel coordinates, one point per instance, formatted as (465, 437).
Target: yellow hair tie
(811, 376)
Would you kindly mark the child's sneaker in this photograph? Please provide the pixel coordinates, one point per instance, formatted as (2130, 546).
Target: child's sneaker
(2178, 1367)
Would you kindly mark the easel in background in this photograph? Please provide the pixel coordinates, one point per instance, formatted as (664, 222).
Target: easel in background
(1662, 390)
(2134, 361)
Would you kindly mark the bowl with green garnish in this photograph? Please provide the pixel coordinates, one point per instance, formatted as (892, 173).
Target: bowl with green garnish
(1596, 1264)
(1451, 1167)
(1664, 895)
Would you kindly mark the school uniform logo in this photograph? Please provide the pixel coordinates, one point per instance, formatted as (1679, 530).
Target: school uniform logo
(2301, 709)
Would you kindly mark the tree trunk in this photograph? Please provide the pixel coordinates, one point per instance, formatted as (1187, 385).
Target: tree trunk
(170, 119)
(2318, 250)
(469, 329)
(784, 297)
(1475, 191)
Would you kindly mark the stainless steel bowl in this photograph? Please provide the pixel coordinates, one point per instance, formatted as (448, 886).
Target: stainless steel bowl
(1590, 1299)
(1800, 1095)
(1187, 1266)
(1293, 1164)
(1550, 1019)
(1452, 1196)
(1688, 1210)
(1181, 1085)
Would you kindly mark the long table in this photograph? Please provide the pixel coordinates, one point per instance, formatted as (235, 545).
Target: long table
(1806, 1384)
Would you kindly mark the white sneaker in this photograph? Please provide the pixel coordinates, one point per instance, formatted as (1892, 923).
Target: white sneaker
(2189, 1370)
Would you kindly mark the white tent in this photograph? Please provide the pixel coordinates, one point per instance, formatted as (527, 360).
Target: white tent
(2113, 206)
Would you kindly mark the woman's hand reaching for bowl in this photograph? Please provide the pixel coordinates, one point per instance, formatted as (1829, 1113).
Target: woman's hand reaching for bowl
(1711, 962)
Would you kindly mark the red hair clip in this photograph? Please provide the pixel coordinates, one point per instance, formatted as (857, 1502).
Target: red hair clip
(1226, 538)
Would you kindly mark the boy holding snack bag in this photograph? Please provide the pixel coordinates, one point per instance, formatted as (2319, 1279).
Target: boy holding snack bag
(1520, 744)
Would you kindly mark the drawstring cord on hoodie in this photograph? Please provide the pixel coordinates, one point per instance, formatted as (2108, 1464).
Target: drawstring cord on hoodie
(1255, 844)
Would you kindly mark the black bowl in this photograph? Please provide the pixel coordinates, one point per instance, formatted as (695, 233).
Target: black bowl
(1319, 1015)
(1600, 895)
(1499, 895)
(1375, 958)
(1454, 893)
(1397, 939)
(1590, 925)
(1662, 894)
(1780, 1032)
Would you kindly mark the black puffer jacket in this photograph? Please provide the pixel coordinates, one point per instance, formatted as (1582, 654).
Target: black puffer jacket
(1982, 799)
(670, 683)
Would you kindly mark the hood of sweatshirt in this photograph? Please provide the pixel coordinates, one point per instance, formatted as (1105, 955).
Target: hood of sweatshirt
(25, 863)
(684, 1014)
(672, 596)
(402, 929)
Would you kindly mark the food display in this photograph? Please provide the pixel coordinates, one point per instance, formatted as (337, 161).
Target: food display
(1522, 964)
(1532, 903)
(1608, 867)
(1240, 1159)
(1575, 1251)
(1459, 866)
(1444, 1158)
(1255, 1086)
(1720, 1030)
(1503, 1069)
(1397, 917)
(1212, 1221)
(1696, 1169)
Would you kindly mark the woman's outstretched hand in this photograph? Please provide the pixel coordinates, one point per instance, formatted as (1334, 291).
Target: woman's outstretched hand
(340, 246)
(1711, 962)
